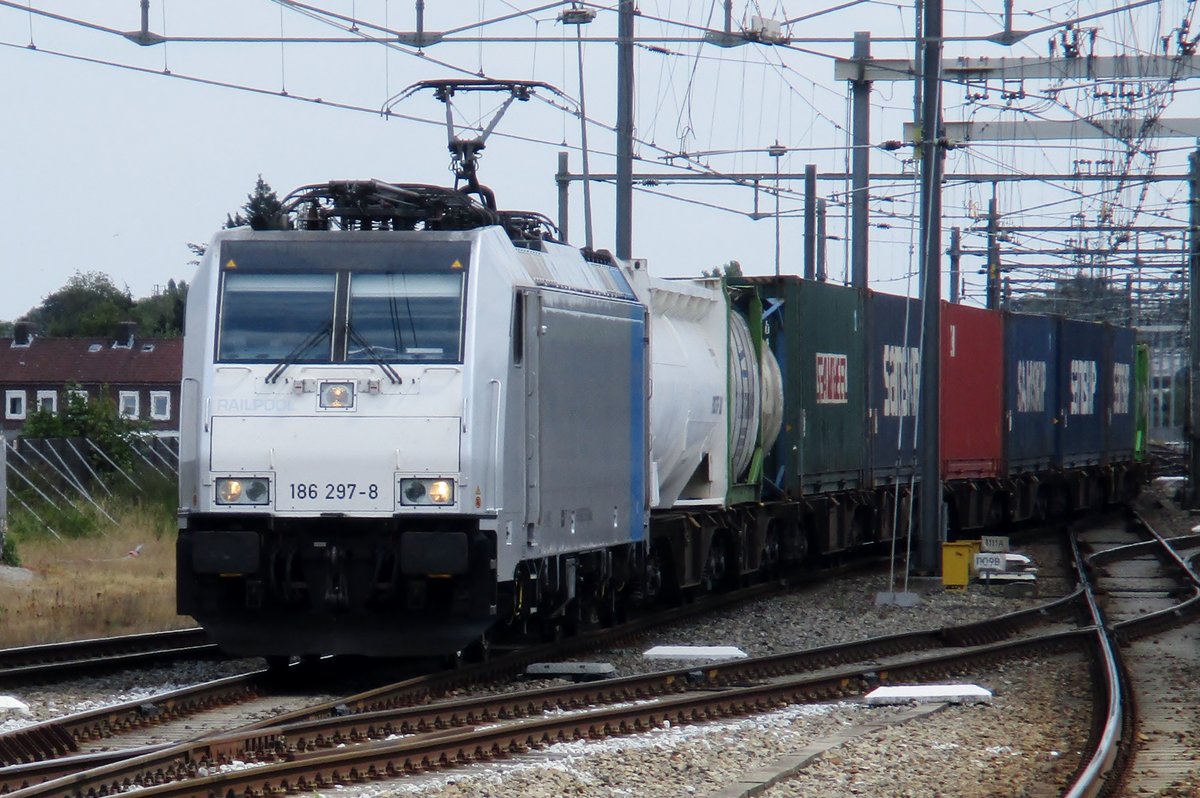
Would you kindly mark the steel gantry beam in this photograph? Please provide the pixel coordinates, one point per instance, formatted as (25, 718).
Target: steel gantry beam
(1124, 129)
(978, 70)
(750, 178)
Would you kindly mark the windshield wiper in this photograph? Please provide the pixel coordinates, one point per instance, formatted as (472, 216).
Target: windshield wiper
(298, 352)
(371, 353)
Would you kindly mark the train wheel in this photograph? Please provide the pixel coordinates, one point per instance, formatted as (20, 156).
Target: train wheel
(715, 568)
(278, 664)
(553, 630)
(609, 605)
(771, 550)
(481, 649)
(1041, 506)
(454, 660)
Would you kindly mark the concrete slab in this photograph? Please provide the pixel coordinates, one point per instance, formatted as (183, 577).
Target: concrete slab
(8, 704)
(575, 671)
(899, 599)
(1019, 562)
(10, 575)
(694, 652)
(929, 694)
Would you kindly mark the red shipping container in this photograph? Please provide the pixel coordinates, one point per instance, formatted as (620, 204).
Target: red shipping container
(972, 381)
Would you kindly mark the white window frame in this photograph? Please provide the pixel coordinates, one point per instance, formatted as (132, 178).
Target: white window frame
(8, 397)
(52, 396)
(136, 396)
(154, 395)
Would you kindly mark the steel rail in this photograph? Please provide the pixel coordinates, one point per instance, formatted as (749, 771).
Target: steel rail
(1107, 759)
(375, 713)
(1090, 778)
(422, 688)
(48, 659)
(1166, 550)
(60, 737)
(307, 770)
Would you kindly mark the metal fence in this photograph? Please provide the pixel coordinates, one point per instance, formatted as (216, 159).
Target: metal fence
(3, 491)
(77, 473)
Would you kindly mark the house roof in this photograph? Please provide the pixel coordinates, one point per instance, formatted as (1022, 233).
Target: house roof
(91, 360)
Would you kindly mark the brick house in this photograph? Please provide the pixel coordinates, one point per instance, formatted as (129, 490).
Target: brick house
(140, 375)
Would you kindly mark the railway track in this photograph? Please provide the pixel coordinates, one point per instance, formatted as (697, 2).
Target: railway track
(56, 660)
(129, 724)
(393, 730)
(1149, 596)
(444, 733)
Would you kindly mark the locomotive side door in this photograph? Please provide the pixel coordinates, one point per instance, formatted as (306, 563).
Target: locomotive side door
(529, 310)
(585, 405)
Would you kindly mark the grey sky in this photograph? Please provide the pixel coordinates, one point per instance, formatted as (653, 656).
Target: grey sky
(115, 171)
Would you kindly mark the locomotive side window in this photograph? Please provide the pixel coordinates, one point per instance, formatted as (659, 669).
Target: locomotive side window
(272, 317)
(405, 317)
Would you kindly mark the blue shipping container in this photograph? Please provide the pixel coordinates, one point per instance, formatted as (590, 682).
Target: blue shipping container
(1082, 393)
(1030, 392)
(1119, 370)
(893, 379)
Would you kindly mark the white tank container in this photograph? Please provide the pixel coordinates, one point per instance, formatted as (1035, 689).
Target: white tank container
(703, 415)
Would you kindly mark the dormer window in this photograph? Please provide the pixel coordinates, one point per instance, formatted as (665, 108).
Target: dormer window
(124, 335)
(22, 335)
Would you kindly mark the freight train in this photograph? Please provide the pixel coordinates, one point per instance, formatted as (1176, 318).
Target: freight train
(411, 422)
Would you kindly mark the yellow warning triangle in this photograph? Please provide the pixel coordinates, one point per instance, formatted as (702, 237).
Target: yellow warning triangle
(456, 265)
(231, 264)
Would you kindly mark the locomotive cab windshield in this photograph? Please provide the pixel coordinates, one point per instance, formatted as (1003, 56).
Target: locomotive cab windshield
(352, 307)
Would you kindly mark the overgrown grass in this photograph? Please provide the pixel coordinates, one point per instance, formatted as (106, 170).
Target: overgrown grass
(99, 579)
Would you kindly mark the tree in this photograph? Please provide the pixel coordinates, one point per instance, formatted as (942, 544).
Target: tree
(1078, 297)
(162, 315)
(88, 305)
(730, 270)
(263, 210)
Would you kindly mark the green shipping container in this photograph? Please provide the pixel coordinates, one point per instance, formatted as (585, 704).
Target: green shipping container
(1141, 398)
(817, 332)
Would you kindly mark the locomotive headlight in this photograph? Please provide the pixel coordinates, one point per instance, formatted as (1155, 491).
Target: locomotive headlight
(337, 395)
(426, 491)
(441, 492)
(229, 491)
(243, 491)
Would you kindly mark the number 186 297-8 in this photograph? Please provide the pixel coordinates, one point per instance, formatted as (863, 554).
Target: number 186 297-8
(332, 491)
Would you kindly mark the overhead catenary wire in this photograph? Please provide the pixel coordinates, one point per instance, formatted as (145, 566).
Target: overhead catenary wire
(773, 58)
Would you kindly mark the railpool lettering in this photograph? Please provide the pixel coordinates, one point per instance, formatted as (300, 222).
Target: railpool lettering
(1121, 387)
(1083, 387)
(901, 376)
(1031, 386)
(257, 405)
(831, 379)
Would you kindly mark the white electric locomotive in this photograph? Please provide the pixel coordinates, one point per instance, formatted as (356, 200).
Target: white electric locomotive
(410, 420)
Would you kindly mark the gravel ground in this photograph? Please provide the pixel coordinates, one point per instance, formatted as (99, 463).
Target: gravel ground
(1015, 746)
(1157, 505)
(1006, 744)
(52, 700)
(828, 614)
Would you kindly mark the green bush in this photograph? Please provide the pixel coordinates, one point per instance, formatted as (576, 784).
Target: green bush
(8, 552)
(96, 419)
